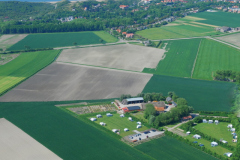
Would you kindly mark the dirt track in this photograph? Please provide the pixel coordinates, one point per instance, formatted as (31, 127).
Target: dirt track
(59, 82)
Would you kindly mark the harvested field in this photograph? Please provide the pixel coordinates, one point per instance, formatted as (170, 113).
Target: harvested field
(61, 81)
(233, 39)
(124, 56)
(5, 58)
(10, 39)
(93, 109)
(16, 144)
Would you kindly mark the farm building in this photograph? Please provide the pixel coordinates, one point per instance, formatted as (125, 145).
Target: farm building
(131, 108)
(214, 144)
(159, 109)
(126, 129)
(204, 121)
(228, 154)
(230, 126)
(99, 116)
(109, 115)
(132, 100)
(93, 119)
(122, 115)
(197, 136)
(210, 121)
(139, 126)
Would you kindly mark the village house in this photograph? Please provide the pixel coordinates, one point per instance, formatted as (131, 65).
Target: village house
(123, 6)
(129, 35)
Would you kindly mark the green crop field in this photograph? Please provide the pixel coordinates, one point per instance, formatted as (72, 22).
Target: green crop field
(219, 18)
(179, 58)
(24, 66)
(65, 135)
(116, 122)
(219, 131)
(201, 94)
(52, 40)
(177, 31)
(215, 56)
(170, 148)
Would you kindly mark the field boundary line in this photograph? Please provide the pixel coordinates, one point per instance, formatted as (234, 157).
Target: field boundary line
(229, 44)
(196, 59)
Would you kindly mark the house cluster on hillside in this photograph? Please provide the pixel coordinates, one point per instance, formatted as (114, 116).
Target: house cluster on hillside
(225, 29)
(172, 1)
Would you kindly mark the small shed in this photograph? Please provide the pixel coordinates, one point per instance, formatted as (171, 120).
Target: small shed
(188, 133)
(99, 116)
(204, 121)
(229, 126)
(102, 124)
(214, 144)
(139, 126)
(228, 154)
(122, 115)
(232, 129)
(93, 119)
(130, 118)
(210, 121)
(139, 123)
(216, 122)
(126, 129)
(109, 115)
(115, 130)
(197, 136)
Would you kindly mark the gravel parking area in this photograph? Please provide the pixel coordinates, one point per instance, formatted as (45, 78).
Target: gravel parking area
(17, 145)
(60, 82)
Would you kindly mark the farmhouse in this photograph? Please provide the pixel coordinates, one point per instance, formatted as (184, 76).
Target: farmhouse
(223, 29)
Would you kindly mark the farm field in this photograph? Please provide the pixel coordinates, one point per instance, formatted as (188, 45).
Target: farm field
(207, 144)
(52, 40)
(24, 66)
(178, 59)
(215, 56)
(217, 131)
(233, 39)
(106, 36)
(10, 39)
(123, 56)
(61, 81)
(177, 31)
(202, 95)
(65, 135)
(116, 122)
(15, 144)
(170, 148)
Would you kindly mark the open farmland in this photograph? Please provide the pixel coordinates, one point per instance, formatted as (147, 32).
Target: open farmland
(170, 148)
(15, 144)
(65, 135)
(232, 38)
(124, 56)
(52, 40)
(23, 67)
(202, 95)
(179, 58)
(61, 81)
(215, 56)
(10, 39)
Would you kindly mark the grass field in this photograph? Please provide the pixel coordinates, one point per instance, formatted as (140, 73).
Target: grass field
(207, 144)
(52, 40)
(64, 134)
(217, 131)
(179, 58)
(178, 31)
(116, 122)
(202, 95)
(215, 56)
(170, 148)
(24, 66)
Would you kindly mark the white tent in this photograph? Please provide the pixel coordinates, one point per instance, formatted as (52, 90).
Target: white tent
(99, 116)
(122, 115)
(139, 123)
(232, 129)
(204, 121)
(223, 141)
(130, 118)
(139, 126)
(188, 133)
(93, 119)
(216, 121)
(102, 124)
(115, 130)
(210, 121)
(228, 154)
(197, 136)
(109, 114)
(126, 129)
(213, 144)
(230, 126)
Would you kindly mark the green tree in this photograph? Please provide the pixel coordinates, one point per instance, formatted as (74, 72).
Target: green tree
(150, 110)
(181, 101)
(151, 119)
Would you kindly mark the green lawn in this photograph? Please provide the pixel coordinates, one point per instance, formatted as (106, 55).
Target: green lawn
(207, 144)
(217, 131)
(52, 40)
(179, 58)
(215, 56)
(24, 66)
(64, 134)
(202, 95)
(140, 116)
(168, 148)
(116, 122)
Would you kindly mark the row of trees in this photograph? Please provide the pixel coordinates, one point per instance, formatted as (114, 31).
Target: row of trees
(227, 75)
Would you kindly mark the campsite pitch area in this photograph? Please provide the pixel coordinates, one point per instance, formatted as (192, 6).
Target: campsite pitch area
(170, 148)
(61, 81)
(15, 144)
(24, 66)
(52, 40)
(65, 135)
(116, 122)
(124, 56)
(215, 56)
(178, 59)
(233, 39)
(202, 95)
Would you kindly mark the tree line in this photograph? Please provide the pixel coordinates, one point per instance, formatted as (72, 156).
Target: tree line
(227, 75)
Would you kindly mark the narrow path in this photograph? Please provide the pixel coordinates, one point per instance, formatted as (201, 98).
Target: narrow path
(195, 59)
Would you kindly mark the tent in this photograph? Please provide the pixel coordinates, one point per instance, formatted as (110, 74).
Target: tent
(130, 118)
(109, 114)
(102, 124)
(213, 144)
(115, 130)
(126, 129)
(188, 133)
(228, 154)
(204, 121)
(139, 123)
(230, 126)
(139, 126)
(122, 115)
(99, 116)
(232, 129)
(93, 119)
(216, 122)
(223, 141)
(197, 136)
(210, 121)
